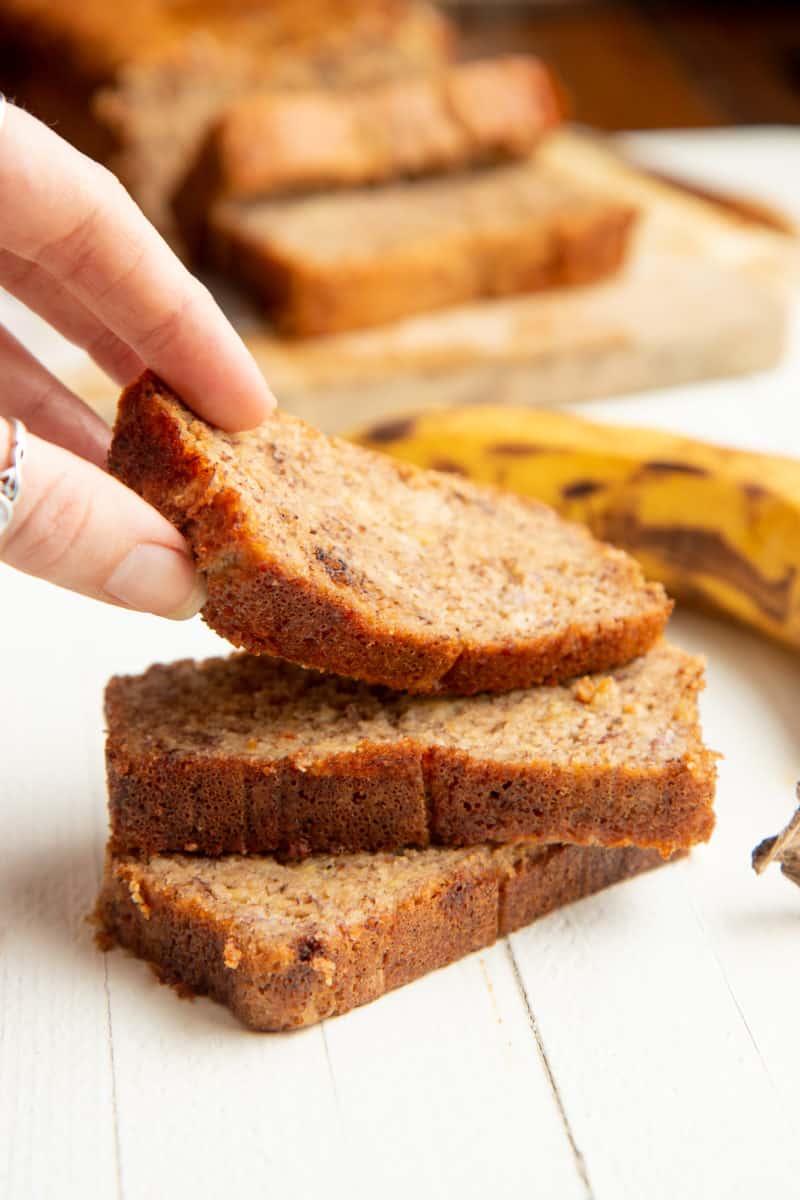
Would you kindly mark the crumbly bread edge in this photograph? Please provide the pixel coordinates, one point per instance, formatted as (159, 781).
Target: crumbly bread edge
(404, 794)
(286, 986)
(259, 607)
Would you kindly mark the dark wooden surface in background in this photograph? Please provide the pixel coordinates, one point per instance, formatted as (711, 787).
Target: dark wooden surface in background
(656, 64)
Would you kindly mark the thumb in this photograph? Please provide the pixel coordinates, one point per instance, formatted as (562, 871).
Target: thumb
(79, 528)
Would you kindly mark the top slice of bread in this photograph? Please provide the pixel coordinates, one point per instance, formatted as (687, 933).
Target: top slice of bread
(337, 557)
(269, 142)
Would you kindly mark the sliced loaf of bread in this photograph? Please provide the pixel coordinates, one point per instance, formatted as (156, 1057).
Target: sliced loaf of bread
(339, 558)
(286, 946)
(254, 755)
(354, 258)
(268, 142)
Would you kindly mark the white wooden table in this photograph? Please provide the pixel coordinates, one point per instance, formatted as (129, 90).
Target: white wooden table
(642, 1043)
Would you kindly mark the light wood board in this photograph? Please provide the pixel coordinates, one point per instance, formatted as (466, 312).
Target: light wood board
(703, 296)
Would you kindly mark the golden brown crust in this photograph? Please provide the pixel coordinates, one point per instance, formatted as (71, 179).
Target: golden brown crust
(279, 986)
(554, 659)
(371, 800)
(564, 874)
(472, 801)
(259, 601)
(249, 756)
(378, 799)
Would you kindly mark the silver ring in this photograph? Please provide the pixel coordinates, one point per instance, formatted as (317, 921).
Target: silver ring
(11, 477)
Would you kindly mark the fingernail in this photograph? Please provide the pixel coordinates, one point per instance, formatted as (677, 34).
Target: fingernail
(153, 578)
(268, 406)
(194, 602)
(267, 395)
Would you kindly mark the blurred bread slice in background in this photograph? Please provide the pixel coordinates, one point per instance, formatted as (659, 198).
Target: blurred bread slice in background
(138, 88)
(703, 291)
(362, 257)
(273, 142)
(705, 294)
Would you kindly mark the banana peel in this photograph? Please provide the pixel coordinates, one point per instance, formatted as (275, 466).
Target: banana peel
(719, 527)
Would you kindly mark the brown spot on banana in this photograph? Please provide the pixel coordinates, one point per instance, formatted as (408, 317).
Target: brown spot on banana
(702, 550)
(668, 467)
(391, 431)
(447, 465)
(515, 449)
(581, 487)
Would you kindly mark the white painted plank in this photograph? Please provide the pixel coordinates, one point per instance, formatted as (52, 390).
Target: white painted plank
(665, 1007)
(660, 1080)
(409, 1092)
(752, 923)
(444, 1084)
(57, 1119)
(220, 1111)
(56, 1112)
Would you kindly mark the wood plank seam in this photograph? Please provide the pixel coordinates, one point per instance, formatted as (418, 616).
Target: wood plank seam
(580, 1161)
(329, 1062)
(729, 987)
(98, 794)
(114, 1106)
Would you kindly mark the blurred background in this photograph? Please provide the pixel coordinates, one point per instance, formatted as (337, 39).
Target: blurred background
(657, 63)
(487, 243)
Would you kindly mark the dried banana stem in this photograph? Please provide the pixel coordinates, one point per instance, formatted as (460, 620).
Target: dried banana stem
(784, 849)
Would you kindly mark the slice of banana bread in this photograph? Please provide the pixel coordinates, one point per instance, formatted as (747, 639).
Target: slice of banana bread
(337, 557)
(286, 946)
(276, 141)
(255, 755)
(354, 258)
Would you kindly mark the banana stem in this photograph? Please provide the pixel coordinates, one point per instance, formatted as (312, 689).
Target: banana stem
(784, 848)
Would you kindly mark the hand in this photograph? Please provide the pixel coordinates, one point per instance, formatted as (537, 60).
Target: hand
(74, 247)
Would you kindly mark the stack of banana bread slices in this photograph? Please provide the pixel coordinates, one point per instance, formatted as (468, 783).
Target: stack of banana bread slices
(458, 713)
(343, 208)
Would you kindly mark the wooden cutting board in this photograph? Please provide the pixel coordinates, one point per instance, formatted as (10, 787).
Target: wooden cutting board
(704, 295)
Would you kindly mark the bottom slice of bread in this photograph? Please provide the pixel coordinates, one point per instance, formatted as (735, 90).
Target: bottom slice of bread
(288, 945)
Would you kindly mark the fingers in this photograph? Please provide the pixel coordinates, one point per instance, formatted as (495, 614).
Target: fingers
(79, 528)
(74, 220)
(40, 291)
(47, 407)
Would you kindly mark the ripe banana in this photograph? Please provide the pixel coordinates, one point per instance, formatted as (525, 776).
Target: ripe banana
(719, 527)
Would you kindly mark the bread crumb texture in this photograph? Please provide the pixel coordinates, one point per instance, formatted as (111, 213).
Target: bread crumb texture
(285, 946)
(255, 755)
